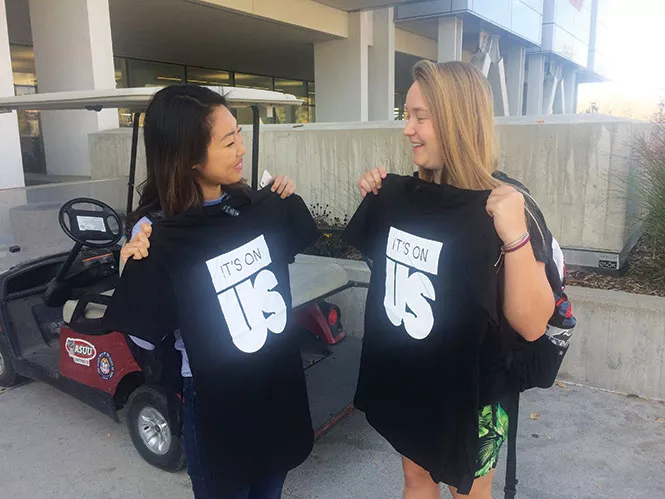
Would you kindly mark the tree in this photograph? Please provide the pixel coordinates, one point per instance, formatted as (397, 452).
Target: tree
(593, 108)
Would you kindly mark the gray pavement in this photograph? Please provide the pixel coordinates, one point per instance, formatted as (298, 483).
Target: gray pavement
(583, 444)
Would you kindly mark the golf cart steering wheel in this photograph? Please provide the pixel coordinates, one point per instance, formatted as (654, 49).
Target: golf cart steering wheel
(90, 227)
(95, 228)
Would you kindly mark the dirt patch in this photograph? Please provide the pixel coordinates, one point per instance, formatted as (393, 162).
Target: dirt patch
(644, 272)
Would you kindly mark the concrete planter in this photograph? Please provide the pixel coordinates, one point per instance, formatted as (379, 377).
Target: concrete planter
(619, 343)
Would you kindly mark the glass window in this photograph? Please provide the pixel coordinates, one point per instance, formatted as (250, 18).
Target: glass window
(120, 66)
(23, 65)
(244, 115)
(253, 81)
(29, 122)
(526, 22)
(311, 94)
(289, 114)
(154, 74)
(399, 105)
(293, 87)
(201, 76)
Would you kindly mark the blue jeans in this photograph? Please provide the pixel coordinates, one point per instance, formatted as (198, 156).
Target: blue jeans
(197, 469)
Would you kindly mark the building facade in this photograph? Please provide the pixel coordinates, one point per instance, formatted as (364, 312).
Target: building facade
(349, 60)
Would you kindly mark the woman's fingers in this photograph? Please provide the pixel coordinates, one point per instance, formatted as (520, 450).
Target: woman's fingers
(376, 180)
(289, 189)
(278, 184)
(146, 229)
(364, 186)
(283, 186)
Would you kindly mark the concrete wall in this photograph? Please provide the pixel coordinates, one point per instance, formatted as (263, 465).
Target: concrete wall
(576, 166)
(619, 343)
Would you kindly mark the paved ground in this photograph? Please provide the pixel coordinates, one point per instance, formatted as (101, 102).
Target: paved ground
(584, 444)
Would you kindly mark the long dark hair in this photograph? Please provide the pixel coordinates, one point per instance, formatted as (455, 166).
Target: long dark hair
(176, 131)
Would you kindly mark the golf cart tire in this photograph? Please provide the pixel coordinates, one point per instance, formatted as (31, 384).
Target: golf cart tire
(149, 397)
(8, 376)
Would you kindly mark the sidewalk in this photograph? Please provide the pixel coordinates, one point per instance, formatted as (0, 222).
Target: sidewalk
(585, 444)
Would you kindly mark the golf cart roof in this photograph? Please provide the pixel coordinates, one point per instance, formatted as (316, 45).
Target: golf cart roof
(136, 99)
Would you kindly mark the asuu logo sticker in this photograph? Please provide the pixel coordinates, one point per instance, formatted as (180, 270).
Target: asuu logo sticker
(408, 259)
(245, 290)
(81, 351)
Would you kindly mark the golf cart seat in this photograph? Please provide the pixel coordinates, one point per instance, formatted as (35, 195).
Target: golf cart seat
(93, 310)
(314, 281)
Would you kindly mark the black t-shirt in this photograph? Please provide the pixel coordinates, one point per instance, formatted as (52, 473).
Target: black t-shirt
(432, 300)
(219, 274)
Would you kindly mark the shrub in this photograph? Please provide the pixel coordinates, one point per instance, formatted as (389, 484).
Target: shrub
(649, 186)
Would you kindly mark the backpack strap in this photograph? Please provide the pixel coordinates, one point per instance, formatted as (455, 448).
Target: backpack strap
(510, 488)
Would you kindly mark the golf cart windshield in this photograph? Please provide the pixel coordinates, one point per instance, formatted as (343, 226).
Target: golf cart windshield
(29, 225)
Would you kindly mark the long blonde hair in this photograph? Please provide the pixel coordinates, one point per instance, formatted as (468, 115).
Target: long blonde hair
(460, 101)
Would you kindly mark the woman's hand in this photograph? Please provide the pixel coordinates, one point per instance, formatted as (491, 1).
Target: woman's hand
(283, 186)
(137, 248)
(371, 181)
(506, 206)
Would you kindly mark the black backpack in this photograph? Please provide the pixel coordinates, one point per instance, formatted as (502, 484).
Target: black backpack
(536, 364)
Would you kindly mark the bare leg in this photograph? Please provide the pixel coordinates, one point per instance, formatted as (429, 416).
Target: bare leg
(482, 488)
(418, 483)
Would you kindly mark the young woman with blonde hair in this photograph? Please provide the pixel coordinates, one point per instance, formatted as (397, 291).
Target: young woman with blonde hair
(451, 130)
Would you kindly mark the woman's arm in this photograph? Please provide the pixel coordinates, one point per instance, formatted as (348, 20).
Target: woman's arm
(528, 299)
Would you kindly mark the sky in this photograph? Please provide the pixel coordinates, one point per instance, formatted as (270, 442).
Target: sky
(636, 59)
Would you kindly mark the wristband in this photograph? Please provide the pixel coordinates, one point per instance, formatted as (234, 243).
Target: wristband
(517, 244)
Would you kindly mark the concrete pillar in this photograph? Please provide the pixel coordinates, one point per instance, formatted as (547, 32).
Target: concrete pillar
(570, 90)
(482, 57)
(341, 73)
(515, 61)
(560, 99)
(382, 67)
(449, 44)
(73, 51)
(489, 62)
(11, 170)
(535, 80)
(551, 87)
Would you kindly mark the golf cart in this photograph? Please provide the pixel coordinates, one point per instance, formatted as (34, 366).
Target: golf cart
(51, 307)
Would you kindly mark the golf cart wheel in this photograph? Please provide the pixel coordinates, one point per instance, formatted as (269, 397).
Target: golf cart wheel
(148, 424)
(8, 376)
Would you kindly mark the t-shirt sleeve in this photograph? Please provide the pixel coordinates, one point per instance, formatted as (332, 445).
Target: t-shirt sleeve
(360, 230)
(301, 227)
(143, 304)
